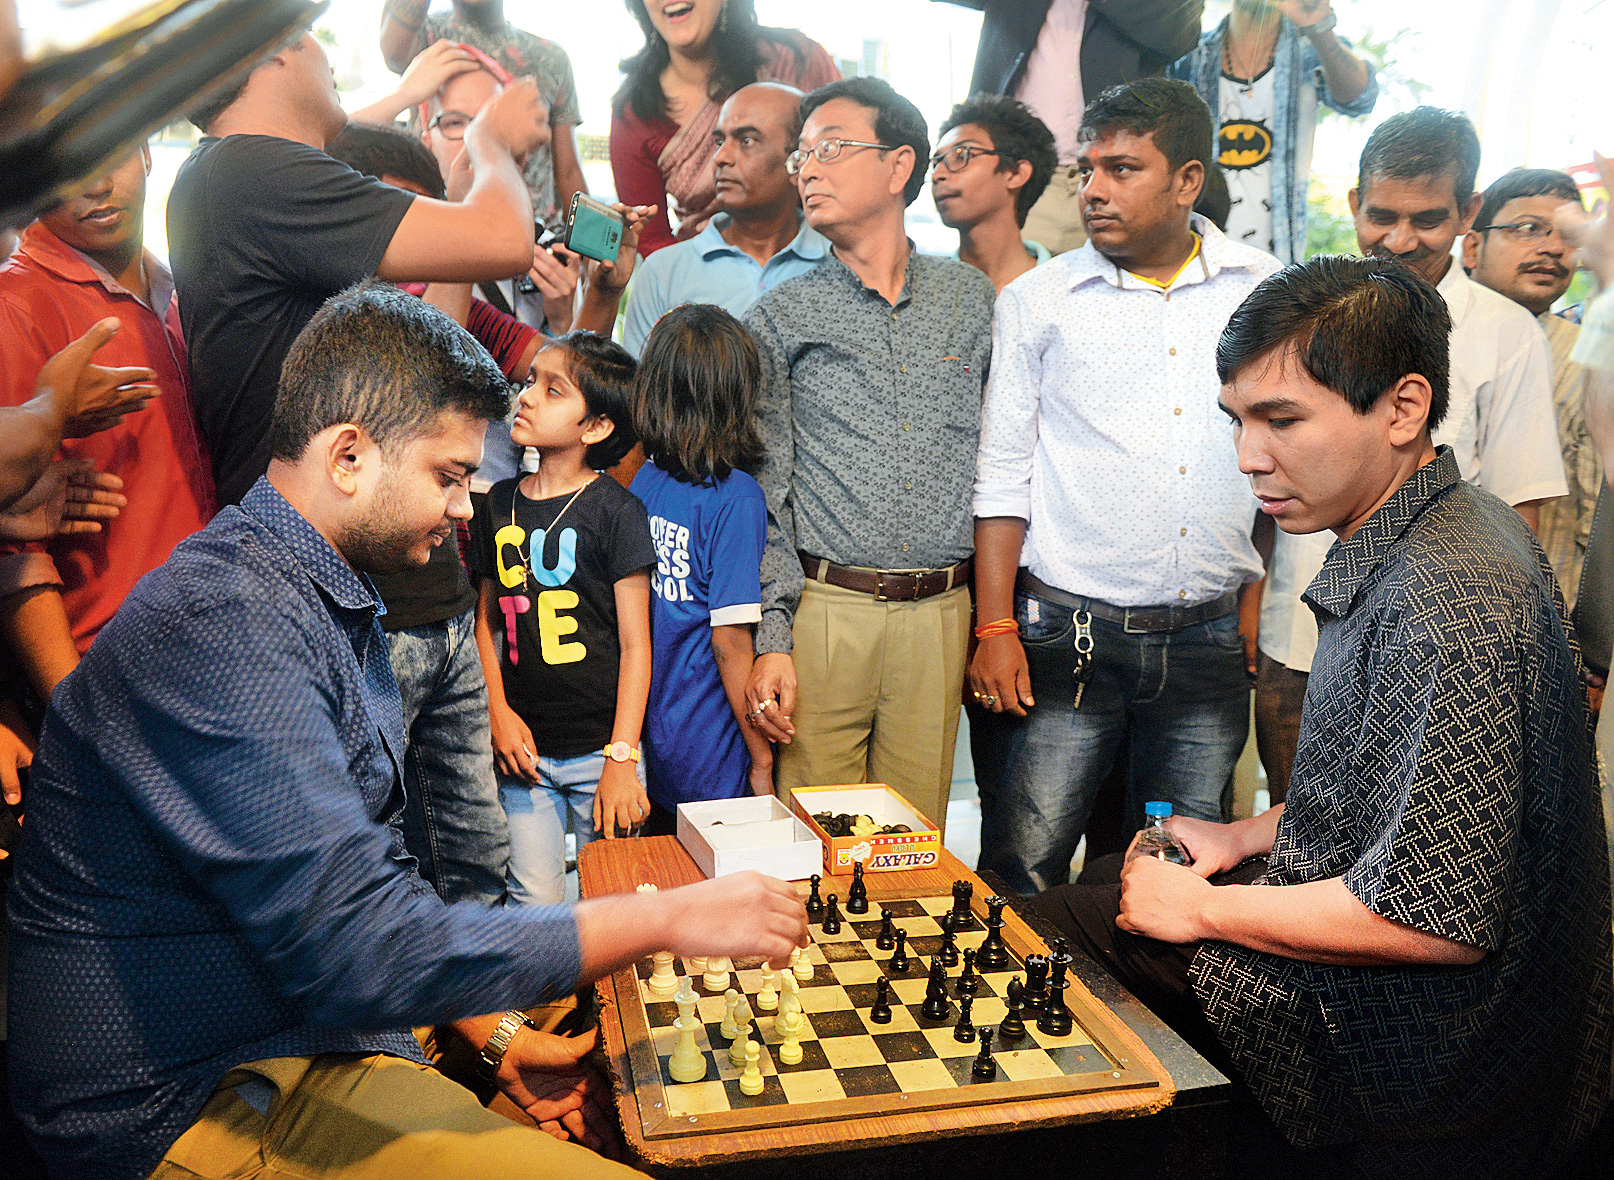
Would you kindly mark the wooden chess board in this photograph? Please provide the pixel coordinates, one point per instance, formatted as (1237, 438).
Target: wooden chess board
(852, 1067)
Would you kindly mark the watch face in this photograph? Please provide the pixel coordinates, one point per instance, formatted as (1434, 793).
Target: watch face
(619, 751)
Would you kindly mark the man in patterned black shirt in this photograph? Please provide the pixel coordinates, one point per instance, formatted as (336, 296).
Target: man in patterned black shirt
(1420, 971)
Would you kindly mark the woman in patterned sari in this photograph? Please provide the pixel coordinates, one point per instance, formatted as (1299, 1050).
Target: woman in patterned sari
(696, 54)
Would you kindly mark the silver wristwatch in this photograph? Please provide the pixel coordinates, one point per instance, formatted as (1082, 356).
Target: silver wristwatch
(492, 1055)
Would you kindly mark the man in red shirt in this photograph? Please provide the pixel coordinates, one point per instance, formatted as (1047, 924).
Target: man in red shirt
(77, 265)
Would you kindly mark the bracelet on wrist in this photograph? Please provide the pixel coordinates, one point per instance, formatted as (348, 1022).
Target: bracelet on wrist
(491, 1055)
(997, 627)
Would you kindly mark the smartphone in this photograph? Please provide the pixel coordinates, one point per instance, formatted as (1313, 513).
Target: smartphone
(546, 237)
(593, 228)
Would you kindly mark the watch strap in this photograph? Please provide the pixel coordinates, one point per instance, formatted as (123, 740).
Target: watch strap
(492, 1054)
(1327, 25)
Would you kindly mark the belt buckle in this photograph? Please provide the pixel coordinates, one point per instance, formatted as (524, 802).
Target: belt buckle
(1126, 623)
(882, 595)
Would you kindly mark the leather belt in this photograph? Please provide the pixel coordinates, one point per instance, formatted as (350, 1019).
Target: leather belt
(1135, 620)
(886, 585)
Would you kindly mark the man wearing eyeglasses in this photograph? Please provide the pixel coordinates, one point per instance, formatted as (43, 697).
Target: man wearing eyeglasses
(875, 361)
(1414, 197)
(1516, 250)
(991, 163)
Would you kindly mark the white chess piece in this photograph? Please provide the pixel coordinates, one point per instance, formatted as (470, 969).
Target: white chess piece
(717, 973)
(790, 1047)
(662, 983)
(696, 965)
(790, 997)
(768, 997)
(740, 1047)
(743, 1015)
(730, 1027)
(687, 1063)
(751, 1078)
(800, 964)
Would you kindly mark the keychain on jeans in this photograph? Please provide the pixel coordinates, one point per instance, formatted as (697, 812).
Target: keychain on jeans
(1083, 672)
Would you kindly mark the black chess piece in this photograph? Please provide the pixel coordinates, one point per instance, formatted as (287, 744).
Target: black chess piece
(936, 1005)
(993, 955)
(962, 892)
(899, 959)
(887, 938)
(815, 904)
(1036, 992)
(984, 1069)
(948, 951)
(964, 1030)
(1013, 1026)
(1056, 1019)
(857, 896)
(968, 982)
(832, 916)
(881, 1012)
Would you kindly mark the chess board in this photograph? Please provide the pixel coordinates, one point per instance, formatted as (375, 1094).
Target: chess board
(851, 1066)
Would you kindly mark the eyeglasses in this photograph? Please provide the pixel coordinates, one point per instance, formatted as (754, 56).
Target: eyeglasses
(451, 124)
(1529, 230)
(827, 150)
(957, 159)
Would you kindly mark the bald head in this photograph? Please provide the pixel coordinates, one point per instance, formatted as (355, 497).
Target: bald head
(756, 130)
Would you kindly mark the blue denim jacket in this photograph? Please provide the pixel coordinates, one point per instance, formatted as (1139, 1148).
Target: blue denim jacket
(1296, 61)
(211, 871)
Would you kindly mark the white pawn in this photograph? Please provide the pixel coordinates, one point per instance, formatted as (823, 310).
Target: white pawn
(790, 1047)
(751, 1079)
(663, 983)
(768, 997)
(800, 964)
(730, 1027)
(696, 964)
(717, 973)
(687, 1063)
(740, 1047)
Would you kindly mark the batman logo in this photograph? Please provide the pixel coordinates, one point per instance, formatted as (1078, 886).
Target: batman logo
(1244, 144)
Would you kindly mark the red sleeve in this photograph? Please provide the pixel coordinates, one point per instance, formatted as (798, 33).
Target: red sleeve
(505, 337)
(820, 70)
(635, 145)
(816, 68)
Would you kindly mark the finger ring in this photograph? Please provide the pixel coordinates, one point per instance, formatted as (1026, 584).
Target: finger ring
(764, 705)
(990, 700)
(977, 696)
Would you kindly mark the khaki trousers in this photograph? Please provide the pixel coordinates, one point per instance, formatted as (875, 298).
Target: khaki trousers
(366, 1118)
(1055, 220)
(878, 691)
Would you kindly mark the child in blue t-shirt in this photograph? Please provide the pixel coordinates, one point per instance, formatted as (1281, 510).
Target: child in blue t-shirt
(562, 559)
(695, 400)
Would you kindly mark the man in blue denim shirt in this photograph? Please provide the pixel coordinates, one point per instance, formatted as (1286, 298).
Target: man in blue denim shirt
(214, 921)
(1262, 72)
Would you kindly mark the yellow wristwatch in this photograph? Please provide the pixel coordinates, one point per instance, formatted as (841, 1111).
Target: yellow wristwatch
(621, 752)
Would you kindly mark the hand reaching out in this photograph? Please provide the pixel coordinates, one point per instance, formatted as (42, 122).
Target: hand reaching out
(70, 497)
(433, 66)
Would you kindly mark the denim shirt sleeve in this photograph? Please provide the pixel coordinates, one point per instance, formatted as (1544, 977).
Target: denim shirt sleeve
(263, 814)
(1363, 103)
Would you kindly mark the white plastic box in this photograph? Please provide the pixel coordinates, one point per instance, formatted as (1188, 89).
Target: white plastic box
(753, 832)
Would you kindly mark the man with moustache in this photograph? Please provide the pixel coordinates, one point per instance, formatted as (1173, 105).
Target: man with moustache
(761, 237)
(1414, 197)
(1112, 533)
(1517, 250)
(1407, 963)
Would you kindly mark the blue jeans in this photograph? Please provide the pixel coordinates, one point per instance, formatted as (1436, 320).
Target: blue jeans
(452, 821)
(1181, 696)
(538, 817)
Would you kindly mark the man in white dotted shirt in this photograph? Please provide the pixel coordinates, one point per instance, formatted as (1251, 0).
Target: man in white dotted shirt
(1112, 530)
(1414, 197)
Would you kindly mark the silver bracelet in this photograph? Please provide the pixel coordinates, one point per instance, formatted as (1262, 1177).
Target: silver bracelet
(492, 1054)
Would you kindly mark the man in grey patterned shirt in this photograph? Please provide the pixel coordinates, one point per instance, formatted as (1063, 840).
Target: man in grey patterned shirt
(1418, 980)
(876, 360)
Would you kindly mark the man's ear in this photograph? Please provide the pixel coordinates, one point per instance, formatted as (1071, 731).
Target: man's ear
(1020, 177)
(1353, 198)
(1408, 404)
(1471, 210)
(1471, 249)
(1190, 183)
(347, 454)
(898, 183)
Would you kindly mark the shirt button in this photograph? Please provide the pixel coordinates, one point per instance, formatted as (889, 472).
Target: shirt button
(1172, 351)
(905, 546)
(1184, 532)
(904, 368)
(1178, 411)
(908, 485)
(907, 426)
(893, 315)
(1182, 471)
(1182, 594)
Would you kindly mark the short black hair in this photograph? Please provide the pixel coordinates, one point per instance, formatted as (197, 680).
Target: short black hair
(1166, 108)
(385, 361)
(1425, 141)
(213, 105)
(1215, 201)
(385, 149)
(603, 370)
(1015, 132)
(1526, 182)
(1356, 325)
(695, 398)
(897, 122)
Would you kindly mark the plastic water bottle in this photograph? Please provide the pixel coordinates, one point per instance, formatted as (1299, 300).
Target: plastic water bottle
(1156, 839)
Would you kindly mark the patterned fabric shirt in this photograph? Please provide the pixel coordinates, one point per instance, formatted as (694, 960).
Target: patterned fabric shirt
(1566, 523)
(1444, 772)
(212, 872)
(871, 414)
(525, 55)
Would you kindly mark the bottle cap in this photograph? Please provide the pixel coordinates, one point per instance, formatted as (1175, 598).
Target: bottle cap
(1157, 808)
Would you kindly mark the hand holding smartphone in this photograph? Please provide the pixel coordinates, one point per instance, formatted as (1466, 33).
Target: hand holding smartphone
(593, 228)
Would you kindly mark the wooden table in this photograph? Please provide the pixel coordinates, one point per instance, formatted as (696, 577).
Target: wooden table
(1170, 1118)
